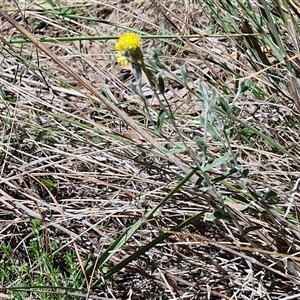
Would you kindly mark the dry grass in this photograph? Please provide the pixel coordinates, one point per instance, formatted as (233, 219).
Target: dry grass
(88, 169)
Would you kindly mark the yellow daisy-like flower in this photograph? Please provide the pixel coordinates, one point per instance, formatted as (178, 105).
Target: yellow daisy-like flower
(128, 41)
(128, 45)
(121, 58)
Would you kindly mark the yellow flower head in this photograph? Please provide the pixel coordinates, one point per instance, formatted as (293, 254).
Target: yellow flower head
(128, 41)
(128, 45)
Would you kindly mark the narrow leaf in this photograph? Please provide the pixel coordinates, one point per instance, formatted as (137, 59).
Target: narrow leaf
(217, 162)
(160, 121)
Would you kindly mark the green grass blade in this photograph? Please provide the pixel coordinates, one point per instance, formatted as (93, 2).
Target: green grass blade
(152, 244)
(123, 239)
